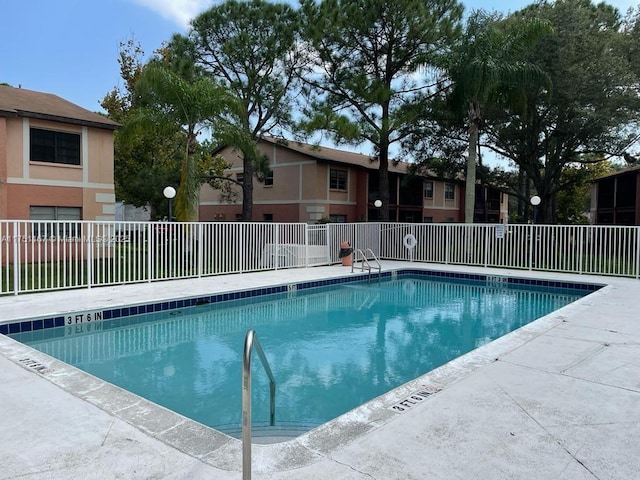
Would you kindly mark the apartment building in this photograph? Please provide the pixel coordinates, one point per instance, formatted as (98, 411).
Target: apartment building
(615, 198)
(312, 184)
(56, 159)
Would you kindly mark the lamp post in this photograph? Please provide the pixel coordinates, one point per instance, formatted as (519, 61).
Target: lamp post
(535, 201)
(377, 204)
(533, 245)
(169, 192)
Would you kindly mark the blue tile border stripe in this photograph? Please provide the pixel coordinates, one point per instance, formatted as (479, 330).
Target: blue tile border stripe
(59, 321)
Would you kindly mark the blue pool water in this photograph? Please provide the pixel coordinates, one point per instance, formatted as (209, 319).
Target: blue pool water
(330, 348)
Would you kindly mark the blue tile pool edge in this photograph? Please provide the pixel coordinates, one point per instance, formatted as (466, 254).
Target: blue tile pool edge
(36, 324)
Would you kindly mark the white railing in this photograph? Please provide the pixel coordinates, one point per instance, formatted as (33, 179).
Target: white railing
(54, 255)
(600, 250)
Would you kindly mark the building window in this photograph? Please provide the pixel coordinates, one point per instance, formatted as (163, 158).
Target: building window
(49, 229)
(448, 219)
(449, 191)
(54, 147)
(268, 179)
(428, 189)
(240, 178)
(337, 218)
(267, 217)
(428, 219)
(337, 179)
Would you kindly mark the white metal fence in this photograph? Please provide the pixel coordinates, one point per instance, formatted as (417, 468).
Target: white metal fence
(52, 255)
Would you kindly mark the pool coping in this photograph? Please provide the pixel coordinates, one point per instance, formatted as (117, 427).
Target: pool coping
(224, 452)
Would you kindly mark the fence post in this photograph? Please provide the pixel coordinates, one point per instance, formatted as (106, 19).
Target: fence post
(200, 250)
(637, 253)
(150, 250)
(90, 255)
(355, 240)
(16, 259)
(327, 236)
(486, 246)
(531, 233)
(447, 243)
(276, 245)
(413, 232)
(580, 248)
(306, 245)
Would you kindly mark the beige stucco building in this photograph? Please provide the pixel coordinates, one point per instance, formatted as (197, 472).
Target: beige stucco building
(56, 159)
(311, 184)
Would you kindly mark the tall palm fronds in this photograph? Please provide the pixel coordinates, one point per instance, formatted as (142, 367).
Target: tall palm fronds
(191, 106)
(486, 68)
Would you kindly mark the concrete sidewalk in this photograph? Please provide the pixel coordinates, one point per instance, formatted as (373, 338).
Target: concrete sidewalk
(557, 399)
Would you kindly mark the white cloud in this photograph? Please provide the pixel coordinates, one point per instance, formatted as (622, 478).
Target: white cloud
(179, 11)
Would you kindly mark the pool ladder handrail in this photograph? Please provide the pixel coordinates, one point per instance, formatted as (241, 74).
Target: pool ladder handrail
(364, 261)
(251, 341)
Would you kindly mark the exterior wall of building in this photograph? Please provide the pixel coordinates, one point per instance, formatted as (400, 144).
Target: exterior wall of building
(440, 209)
(593, 211)
(637, 198)
(3, 168)
(615, 199)
(301, 193)
(26, 195)
(88, 186)
(300, 190)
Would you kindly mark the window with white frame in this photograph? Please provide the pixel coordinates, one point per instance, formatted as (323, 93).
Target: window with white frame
(55, 226)
(337, 179)
(428, 189)
(336, 218)
(449, 191)
(268, 179)
(51, 146)
(240, 178)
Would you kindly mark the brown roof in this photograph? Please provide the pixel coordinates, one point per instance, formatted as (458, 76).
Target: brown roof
(27, 103)
(617, 173)
(335, 155)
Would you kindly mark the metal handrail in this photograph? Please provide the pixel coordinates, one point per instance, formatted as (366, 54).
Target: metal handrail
(365, 261)
(251, 340)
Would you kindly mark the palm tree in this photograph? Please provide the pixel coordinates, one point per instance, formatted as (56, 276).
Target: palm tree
(189, 104)
(486, 68)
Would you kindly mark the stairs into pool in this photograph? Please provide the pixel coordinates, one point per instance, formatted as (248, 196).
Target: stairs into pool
(265, 434)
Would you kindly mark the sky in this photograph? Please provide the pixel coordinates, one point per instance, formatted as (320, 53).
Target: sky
(70, 47)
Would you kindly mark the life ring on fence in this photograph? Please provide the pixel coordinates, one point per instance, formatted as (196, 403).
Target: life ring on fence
(409, 241)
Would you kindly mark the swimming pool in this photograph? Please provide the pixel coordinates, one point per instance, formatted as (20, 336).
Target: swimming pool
(331, 349)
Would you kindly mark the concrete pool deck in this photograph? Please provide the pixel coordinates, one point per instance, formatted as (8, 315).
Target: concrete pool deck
(556, 399)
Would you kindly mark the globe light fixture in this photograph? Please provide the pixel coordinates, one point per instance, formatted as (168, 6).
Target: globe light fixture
(535, 201)
(377, 203)
(169, 192)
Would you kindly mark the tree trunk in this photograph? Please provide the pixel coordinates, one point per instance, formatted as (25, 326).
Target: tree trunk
(383, 174)
(470, 183)
(187, 197)
(523, 190)
(247, 188)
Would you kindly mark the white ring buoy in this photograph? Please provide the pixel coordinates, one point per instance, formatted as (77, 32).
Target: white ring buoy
(409, 241)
